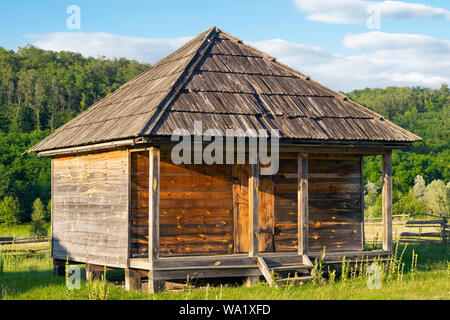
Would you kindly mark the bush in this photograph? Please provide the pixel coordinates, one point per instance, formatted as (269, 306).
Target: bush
(437, 198)
(408, 204)
(38, 225)
(9, 211)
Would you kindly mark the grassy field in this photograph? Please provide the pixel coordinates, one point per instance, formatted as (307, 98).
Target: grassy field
(31, 278)
(18, 231)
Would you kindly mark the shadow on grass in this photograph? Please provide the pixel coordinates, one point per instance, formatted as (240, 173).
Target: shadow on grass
(15, 283)
(430, 257)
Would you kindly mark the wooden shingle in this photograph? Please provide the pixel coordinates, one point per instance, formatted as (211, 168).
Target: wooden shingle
(217, 79)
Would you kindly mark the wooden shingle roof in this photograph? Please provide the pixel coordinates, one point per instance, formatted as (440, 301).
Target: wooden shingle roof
(217, 79)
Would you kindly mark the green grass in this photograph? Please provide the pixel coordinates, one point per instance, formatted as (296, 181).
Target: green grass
(31, 278)
(19, 231)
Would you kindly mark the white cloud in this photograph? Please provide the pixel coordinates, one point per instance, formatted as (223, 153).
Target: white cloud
(111, 46)
(293, 53)
(387, 60)
(397, 41)
(383, 59)
(356, 11)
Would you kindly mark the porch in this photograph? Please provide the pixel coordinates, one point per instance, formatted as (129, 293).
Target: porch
(256, 257)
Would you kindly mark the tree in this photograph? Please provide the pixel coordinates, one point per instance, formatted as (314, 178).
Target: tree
(437, 198)
(38, 225)
(376, 209)
(419, 188)
(10, 211)
(4, 180)
(408, 204)
(371, 195)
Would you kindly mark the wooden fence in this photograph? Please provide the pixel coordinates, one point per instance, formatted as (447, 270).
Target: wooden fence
(14, 246)
(435, 231)
(13, 240)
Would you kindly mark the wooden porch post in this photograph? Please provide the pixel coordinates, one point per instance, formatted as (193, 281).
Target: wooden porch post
(363, 233)
(387, 201)
(253, 197)
(153, 219)
(302, 161)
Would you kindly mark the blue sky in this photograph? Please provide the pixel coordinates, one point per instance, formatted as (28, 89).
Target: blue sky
(328, 39)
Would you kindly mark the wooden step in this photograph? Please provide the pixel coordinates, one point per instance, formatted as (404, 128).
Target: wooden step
(268, 272)
(297, 280)
(352, 261)
(291, 268)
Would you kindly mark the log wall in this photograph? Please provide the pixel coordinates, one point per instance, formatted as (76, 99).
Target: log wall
(90, 208)
(196, 209)
(334, 204)
(92, 201)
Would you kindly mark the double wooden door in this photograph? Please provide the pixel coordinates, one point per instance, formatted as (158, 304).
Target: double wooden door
(267, 228)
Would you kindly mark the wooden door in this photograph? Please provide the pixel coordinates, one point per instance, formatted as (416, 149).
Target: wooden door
(240, 208)
(241, 175)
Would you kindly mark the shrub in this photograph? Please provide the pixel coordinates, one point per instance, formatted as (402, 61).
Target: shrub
(38, 225)
(437, 198)
(9, 211)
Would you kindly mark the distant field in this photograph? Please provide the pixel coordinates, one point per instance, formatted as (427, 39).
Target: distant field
(31, 278)
(19, 231)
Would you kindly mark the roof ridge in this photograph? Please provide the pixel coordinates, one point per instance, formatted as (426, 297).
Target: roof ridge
(194, 74)
(180, 82)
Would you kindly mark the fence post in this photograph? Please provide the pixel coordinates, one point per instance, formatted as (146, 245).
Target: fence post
(444, 233)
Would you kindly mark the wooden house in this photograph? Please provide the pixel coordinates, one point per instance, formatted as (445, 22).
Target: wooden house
(119, 201)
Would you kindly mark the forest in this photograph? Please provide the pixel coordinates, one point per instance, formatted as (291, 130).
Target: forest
(41, 90)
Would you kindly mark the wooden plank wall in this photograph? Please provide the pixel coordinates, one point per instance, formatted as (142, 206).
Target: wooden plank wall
(285, 194)
(334, 204)
(90, 208)
(139, 204)
(196, 209)
(266, 214)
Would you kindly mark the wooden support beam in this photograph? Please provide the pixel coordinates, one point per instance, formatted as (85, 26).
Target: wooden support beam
(387, 201)
(129, 168)
(363, 234)
(302, 161)
(251, 281)
(133, 280)
(93, 273)
(52, 210)
(253, 207)
(155, 286)
(262, 265)
(153, 231)
(59, 267)
(153, 195)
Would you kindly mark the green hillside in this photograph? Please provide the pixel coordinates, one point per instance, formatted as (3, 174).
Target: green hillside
(41, 90)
